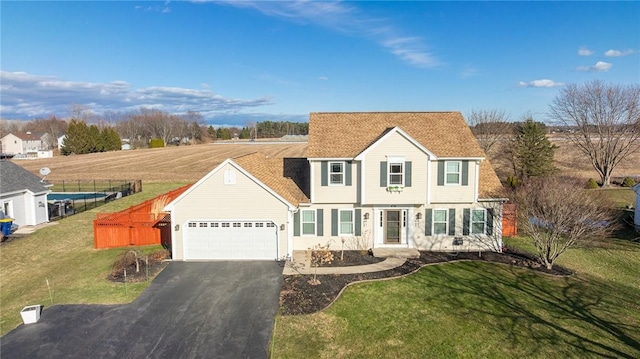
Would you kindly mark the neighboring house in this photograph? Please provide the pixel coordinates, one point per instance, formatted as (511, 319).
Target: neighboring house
(23, 196)
(27, 145)
(23, 143)
(394, 180)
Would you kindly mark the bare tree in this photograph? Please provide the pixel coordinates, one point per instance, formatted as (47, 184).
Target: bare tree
(489, 126)
(81, 112)
(558, 213)
(604, 122)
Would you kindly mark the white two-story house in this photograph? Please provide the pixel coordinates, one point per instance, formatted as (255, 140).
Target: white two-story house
(370, 180)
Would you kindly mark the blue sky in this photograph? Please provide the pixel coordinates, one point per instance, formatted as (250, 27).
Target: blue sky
(236, 62)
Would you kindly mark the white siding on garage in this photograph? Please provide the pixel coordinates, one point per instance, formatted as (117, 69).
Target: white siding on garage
(234, 240)
(244, 200)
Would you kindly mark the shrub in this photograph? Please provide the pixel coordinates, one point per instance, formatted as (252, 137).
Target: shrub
(592, 184)
(156, 143)
(513, 181)
(159, 256)
(628, 182)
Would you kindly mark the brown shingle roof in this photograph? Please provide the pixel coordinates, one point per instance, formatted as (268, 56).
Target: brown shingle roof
(489, 186)
(446, 134)
(269, 171)
(346, 134)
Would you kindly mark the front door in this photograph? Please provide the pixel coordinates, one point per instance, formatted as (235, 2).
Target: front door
(392, 226)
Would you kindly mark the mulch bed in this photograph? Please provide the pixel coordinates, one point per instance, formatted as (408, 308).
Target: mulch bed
(352, 258)
(297, 296)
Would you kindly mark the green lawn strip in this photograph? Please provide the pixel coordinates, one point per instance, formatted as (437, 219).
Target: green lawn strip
(469, 309)
(64, 255)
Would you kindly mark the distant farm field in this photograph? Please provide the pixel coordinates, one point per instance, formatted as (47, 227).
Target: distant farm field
(175, 164)
(190, 163)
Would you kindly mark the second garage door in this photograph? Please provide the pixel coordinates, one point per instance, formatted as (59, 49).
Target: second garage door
(224, 240)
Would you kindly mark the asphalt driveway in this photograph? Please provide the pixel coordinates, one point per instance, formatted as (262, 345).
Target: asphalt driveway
(191, 310)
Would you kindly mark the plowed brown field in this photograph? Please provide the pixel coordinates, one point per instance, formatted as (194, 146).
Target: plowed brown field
(184, 163)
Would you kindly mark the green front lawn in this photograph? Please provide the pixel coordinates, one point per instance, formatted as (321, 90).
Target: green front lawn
(64, 255)
(473, 309)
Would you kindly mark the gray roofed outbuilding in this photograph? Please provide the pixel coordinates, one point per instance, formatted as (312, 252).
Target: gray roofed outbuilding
(14, 178)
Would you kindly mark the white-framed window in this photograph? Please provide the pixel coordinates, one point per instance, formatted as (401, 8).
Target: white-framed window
(440, 221)
(225, 225)
(214, 225)
(308, 222)
(229, 176)
(396, 174)
(248, 224)
(271, 224)
(345, 225)
(336, 173)
(192, 224)
(203, 224)
(259, 225)
(452, 172)
(478, 221)
(236, 224)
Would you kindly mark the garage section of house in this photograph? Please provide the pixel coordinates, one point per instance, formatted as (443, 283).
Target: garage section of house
(235, 240)
(241, 210)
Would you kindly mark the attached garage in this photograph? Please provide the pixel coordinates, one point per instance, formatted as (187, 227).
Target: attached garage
(241, 210)
(230, 240)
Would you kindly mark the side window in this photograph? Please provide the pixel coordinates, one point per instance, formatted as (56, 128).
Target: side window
(308, 222)
(346, 222)
(478, 221)
(440, 221)
(336, 173)
(453, 171)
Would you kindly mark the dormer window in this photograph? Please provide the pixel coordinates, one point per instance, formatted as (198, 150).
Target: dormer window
(336, 173)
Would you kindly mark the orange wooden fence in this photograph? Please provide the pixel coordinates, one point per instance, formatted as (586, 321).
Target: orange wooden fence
(509, 220)
(138, 225)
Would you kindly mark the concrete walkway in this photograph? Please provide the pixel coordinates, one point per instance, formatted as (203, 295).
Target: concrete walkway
(300, 265)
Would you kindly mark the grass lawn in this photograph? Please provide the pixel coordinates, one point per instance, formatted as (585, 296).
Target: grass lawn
(64, 255)
(473, 309)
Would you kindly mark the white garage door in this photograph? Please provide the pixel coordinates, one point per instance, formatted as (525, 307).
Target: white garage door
(230, 240)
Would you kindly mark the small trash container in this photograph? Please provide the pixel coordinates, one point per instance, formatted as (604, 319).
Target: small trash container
(31, 314)
(5, 226)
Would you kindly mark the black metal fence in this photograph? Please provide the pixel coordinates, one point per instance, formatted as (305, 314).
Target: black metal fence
(69, 197)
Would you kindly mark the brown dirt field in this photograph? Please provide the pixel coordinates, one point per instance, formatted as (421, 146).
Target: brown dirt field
(179, 164)
(570, 161)
(190, 163)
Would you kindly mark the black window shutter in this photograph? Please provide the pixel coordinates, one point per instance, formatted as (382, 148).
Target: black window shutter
(465, 173)
(334, 222)
(452, 221)
(407, 174)
(440, 173)
(324, 176)
(466, 218)
(428, 219)
(347, 173)
(383, 174)
(489, 221)
(296, 223)
(319, 222)
(358, 222)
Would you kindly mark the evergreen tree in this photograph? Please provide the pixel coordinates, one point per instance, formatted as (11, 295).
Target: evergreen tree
(532, 152)
(96, 143)
(77, 140)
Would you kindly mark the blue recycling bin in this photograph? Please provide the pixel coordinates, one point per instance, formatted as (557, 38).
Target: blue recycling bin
(5, 226)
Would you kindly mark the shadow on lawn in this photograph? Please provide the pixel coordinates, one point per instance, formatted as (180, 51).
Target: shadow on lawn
(569, 312)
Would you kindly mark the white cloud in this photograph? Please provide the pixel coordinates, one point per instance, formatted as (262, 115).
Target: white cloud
(26, 96)
(600, 66)
(348, 19)
(617, 53)
(584, 51)
(540, 83)
(323, 78)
